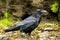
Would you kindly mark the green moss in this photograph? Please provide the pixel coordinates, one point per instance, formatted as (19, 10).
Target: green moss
(7, 22)
(7, 15)
(50, 24)
(54, 7)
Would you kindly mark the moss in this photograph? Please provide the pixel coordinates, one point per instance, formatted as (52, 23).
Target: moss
(7, 21)
(54, 7)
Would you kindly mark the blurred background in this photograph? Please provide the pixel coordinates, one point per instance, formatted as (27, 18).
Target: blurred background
(14, 11)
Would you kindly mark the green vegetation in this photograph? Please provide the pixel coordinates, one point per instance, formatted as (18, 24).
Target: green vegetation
(7, 22)
(50, 24)
(7, 15)
(4, 23)
(54, 7)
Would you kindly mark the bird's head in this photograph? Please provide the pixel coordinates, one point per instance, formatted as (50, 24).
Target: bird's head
(42, 12)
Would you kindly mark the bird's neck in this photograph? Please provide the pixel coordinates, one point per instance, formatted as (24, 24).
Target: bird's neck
(37, 15)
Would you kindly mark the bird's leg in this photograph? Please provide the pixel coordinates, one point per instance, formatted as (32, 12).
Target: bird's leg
(22, 36)
(29, 36)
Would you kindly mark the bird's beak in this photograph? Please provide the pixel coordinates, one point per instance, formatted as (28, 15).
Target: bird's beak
(44, 12)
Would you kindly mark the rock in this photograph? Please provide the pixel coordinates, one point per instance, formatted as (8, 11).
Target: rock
(1, 36)
(52, 38)
(51, 29)
(43, 36)
(48, 28)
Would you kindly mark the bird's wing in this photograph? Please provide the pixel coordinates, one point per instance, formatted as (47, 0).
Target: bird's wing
(23, 25)
(28, 21)
(29, 24)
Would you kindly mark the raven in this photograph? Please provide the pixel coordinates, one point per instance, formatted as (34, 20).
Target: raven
(28, 24)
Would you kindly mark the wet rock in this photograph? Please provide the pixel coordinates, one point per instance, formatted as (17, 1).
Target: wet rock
(4, 37)
(44, 35)
(50, 29)
(1, 36)
(57, 37)
(52, 38)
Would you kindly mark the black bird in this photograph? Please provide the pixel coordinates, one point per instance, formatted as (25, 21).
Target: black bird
(28, 24)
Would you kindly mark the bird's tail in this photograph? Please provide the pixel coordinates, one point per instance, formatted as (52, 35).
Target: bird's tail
(12, 29)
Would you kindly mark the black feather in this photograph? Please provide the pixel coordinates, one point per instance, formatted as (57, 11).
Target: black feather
(27, 25)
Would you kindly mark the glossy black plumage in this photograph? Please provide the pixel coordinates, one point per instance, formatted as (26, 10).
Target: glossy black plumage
(28, 24)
